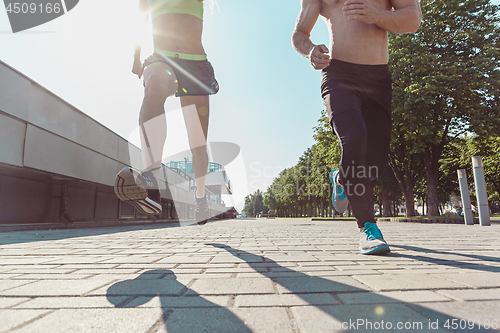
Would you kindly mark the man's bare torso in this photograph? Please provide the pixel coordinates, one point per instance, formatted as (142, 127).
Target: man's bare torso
(355, 41)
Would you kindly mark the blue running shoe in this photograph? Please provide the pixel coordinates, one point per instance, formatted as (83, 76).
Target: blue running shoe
(372, 241)
(339, 198)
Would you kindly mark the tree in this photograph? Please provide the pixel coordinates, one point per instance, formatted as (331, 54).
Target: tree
(387, 191)
(447, 78)
(249, 207)
(253, 204)
(406, 157)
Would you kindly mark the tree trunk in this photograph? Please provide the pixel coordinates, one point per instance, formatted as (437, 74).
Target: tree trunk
(409, 202)
(385, 209)
(431, 161)
(406, 184)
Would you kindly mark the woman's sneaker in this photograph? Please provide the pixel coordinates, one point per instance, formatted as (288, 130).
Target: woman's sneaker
(339, 198)
(372, 241)
(202, 212)
(139, 189)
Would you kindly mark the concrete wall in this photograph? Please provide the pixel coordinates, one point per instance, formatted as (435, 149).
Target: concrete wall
(56, 160)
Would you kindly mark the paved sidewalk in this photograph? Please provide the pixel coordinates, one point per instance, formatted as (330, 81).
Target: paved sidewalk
(250, 275)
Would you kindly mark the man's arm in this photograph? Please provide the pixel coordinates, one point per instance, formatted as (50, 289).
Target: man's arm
(318, 54)
(405, 17)
(144, 11)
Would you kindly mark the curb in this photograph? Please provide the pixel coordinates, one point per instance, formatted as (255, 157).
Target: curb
(83, 225)
(445, 221)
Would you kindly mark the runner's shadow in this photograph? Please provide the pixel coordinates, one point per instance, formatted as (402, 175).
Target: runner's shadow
(366, 306)
(180, 313)
(448, 262)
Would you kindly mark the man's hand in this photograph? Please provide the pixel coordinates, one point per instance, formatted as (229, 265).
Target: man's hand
(362, 10)
(137, 67)
(319, 56)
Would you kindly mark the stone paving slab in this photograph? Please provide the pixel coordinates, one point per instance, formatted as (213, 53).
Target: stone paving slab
(326, 284)
(232, 286)
(41, 270)
(57, 288)
(94, 320)
(10, 284)
(483, 279)
(285, 300)
(394, 297)
(38, 276)
(414, 281)
(70, 302)
(10, 302)
(178, 302)
(473, 295)
(10, 319)
(226, 321)
(253, 275)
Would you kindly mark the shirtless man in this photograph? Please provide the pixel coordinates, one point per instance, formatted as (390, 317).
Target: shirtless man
(178, 66)
(357, 90)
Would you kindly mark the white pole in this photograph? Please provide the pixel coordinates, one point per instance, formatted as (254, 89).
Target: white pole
(481, 194)
(464, 191)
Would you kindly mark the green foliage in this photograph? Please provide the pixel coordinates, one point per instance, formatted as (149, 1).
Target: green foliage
(254, 204)
(446, 79)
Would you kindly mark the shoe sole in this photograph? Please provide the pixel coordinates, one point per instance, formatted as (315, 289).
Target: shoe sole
(340, 211)
(376, 251)
(127, 190)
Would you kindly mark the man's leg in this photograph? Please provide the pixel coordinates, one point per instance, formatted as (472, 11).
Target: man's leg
(377, 152)
(362, 158)
(351, 131)
(377, 155)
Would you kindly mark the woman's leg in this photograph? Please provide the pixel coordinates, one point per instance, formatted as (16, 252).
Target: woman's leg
(196, 114)
(159, 83)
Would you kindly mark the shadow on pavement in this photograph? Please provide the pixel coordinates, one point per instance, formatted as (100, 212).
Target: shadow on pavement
(448, 262)
(381, 309)
(191, 313)
(17, 237)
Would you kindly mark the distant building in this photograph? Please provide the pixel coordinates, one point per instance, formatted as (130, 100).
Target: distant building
(217, 183)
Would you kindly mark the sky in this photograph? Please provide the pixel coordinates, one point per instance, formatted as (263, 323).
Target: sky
(269, 99)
